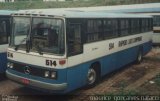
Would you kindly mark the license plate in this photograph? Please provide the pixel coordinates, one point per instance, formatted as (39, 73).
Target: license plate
(25, 81)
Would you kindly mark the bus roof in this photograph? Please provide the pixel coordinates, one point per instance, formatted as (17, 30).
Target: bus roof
(6, 12)
(147, 7)
(75, 14)
(135, 8)
(154, 7)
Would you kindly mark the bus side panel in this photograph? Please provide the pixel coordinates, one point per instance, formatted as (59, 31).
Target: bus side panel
(108, 64)
(147, 47)
(118, 60)
(3, 62)
(156, 38)
(126, 56)
(77, 75)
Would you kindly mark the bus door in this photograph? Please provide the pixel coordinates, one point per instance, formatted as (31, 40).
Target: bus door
(75, 46)
(75, 73)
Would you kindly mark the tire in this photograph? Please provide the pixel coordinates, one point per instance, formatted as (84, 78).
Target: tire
(139, 57)
(92, 77)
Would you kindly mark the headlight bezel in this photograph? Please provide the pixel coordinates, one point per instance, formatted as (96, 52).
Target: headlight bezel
(50, 74)
(46, 74)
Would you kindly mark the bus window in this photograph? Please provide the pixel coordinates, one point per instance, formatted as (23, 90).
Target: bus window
(74, 39)
(143, 25)
(150, 24)
(124, 27)
(110, 28)
(94, 30)
(135, 26)
(156, 20)
(3, 32)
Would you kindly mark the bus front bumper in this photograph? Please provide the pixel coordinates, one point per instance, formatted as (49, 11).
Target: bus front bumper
(36, 83)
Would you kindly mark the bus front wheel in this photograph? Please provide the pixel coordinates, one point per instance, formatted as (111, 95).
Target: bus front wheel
(92, 77)
(139, 57)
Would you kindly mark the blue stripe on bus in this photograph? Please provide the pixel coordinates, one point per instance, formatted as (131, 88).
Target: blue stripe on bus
(3, 62)
(76, 76)
(147, 47)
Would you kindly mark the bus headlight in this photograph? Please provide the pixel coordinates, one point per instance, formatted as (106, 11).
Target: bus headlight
(50, 74)
(53, 75)
(10, 65)
(46, 74)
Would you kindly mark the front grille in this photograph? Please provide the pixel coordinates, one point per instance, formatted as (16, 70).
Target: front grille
(30, 70)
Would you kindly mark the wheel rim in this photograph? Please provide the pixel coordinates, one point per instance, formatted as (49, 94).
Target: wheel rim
(91, 76)
(139, 57)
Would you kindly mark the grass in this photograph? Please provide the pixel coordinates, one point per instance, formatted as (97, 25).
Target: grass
(142, 91)
(81, 3)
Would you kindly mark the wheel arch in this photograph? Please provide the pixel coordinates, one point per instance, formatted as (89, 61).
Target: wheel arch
(97, 66)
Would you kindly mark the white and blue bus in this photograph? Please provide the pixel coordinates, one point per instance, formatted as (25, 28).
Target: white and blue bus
(156, 29)
(4, 35)
(60, 51)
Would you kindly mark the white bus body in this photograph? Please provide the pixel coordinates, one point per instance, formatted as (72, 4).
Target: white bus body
(86, 48)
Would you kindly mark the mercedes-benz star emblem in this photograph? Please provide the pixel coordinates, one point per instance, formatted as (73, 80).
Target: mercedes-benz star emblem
(27, 70)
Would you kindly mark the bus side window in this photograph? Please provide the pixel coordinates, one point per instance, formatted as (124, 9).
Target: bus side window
(74, 39)
(3, 32)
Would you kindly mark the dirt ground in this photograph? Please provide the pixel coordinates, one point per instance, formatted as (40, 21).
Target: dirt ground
(134, 78)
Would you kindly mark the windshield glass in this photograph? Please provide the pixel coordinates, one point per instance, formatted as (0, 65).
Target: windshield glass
(47, 35)
(44, 35)
(21, 27)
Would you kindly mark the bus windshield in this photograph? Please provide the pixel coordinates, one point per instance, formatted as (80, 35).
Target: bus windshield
(21, 27)
(48, 35)
(44, 35)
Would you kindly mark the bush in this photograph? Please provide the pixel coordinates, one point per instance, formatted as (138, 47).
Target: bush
(35, 4)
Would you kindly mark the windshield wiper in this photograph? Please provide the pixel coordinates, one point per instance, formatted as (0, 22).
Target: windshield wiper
(17, 46)
(39, 49)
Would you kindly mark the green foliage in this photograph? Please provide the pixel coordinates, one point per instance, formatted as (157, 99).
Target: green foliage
(35, 4)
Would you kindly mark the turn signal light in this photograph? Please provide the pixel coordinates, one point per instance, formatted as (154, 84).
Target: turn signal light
(62, 62)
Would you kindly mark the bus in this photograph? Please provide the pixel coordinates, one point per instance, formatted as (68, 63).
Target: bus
(61, 51)
(4, 35)
(156, 29)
